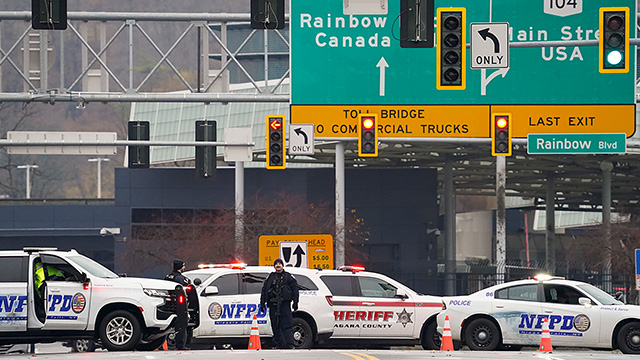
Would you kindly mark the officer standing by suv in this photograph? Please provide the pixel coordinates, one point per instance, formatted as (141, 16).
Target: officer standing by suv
(176, 275)
(280, 293)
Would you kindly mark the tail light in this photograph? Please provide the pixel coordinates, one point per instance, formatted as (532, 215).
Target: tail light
(180, 299)
(329, 299)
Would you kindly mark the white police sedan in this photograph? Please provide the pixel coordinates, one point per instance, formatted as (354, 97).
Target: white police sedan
(511, 315)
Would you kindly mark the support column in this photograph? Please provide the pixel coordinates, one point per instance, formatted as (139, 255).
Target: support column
(606, 167)
(239, 207)
(339, 257)
(449, 231)
(550, 234)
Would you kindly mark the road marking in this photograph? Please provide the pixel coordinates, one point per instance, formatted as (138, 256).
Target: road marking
(368, 356)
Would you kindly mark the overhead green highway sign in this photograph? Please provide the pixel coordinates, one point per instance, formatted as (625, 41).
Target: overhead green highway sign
(344, 63)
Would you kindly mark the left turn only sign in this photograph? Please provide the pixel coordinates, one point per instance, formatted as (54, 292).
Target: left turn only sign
(313, 251)
(489, 45)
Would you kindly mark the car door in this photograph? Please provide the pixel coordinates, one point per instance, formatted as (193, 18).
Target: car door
(13, 293)
(382, 313)
(252, 287)
(518, 312)
(346, 305)
(570, 323)
(66, 300)
(219, 309)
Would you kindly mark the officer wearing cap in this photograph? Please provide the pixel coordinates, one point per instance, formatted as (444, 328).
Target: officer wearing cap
(280, 293)
(176, 275)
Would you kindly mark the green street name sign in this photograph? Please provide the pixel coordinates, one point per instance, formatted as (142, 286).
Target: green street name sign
(576, 144)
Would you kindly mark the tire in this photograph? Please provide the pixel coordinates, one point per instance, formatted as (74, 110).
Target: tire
(482, 334)
(431, 338)
(302, 334)
(120, 331)
(629, 338)
(151, 345)
(83, 345)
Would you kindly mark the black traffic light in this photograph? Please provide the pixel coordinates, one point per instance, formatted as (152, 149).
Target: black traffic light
(416, 23)
(49, 14)
(614, 40)
(276, 149)
(206, 155)
(367, 135)
(452, 48)
(139, 155)
(267, 14)
(500, 134)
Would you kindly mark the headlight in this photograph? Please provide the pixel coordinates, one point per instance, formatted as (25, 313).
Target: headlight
(157, 293)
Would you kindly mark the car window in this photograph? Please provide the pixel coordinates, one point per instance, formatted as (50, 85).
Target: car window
(12, 269)
(339, 285)
(374, 287)
(227, 284)
(304, 283)
(58, 269)
(253, 282)
(519, 292)
(561, 294)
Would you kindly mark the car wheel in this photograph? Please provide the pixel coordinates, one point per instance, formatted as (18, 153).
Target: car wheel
(302, 334)
(151, 345)
(629, 338)
(482, 334)
(120, 331)
(83, 345)
(431, 338)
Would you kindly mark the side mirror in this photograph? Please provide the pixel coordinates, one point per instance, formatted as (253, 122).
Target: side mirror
(401, 294)
(197, 282)
(210, 290)
(584, 301)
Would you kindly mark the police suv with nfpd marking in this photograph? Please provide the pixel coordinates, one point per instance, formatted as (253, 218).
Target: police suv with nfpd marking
(229, 296)
(511, 315)
(48, 295)
(372, 309)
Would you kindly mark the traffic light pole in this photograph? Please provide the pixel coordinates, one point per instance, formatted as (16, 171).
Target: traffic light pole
(501, 223)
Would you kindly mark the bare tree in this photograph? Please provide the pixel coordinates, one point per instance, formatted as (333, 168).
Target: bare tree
(208, 236)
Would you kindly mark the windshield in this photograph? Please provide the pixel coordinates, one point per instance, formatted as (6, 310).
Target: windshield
(601, 296)
(92, 267)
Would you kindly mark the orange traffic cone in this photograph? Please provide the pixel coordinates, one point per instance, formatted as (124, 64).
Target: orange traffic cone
(447, 340)
(545, 342)
(254, 339)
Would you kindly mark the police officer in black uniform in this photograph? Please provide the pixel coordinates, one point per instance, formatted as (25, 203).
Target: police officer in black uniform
(280, 293)
(176, 275)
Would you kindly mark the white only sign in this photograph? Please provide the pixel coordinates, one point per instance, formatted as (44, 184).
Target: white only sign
(294, 253)
(489, 45)
(301, 141)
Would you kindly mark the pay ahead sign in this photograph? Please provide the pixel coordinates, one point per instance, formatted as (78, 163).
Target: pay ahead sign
(489, 45)
(318, 251)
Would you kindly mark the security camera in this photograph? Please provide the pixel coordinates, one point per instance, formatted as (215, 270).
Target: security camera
(109, 231)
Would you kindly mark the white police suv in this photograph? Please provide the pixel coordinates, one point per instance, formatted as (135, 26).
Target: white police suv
(511, 315)
(48, 295)
(229, 296)
(374, 310)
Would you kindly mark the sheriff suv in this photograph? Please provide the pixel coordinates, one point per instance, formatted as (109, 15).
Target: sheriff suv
(371, 309)
(229, 296)
(48, 295)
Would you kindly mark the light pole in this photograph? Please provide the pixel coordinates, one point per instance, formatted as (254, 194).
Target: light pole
(28, 167)
(99, 161)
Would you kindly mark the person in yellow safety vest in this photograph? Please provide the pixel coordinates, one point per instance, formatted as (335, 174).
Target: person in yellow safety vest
(40, 276)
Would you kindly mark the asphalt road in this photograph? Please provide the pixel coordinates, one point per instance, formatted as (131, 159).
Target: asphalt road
(58, 352)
